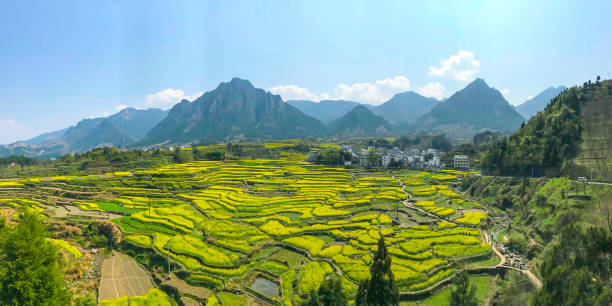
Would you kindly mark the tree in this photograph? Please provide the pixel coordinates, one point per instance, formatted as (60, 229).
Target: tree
(330, 293)
(29, 273)
(577, 269)
(464, 293)
(182, 156)
(380, 288)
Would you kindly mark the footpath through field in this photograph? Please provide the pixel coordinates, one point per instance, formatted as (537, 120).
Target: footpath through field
(502, 264)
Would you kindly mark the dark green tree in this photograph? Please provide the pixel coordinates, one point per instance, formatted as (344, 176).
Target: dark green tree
(30, 273)
(313, 300)
(380, 288)
(182, 155)
(463, 293)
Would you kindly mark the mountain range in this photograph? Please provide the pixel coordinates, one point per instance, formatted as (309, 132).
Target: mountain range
(532, 106)
(402, 108)
(125, 127)
(475, 108)
(237, 111)
(325, 110)
(405, 107)
(360, 122)
(234, 111)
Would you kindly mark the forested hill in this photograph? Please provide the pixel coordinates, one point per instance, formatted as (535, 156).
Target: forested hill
(572, 135)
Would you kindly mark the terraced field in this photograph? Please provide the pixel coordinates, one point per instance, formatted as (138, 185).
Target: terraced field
(225, 224)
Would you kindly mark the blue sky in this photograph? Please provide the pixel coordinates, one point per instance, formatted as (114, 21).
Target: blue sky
(67, 60)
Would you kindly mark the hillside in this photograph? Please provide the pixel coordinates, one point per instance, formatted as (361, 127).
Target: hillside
(543, 220)
(325, 110)
(234, 111)
(532, 106)
(475, 108)
(360, 122)
(405, 107)
(42, 138)
(572, 135)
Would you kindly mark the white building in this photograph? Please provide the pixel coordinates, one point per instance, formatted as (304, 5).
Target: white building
(434, 162)
(461, 161)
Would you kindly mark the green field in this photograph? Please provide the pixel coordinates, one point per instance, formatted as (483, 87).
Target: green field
(223, 223)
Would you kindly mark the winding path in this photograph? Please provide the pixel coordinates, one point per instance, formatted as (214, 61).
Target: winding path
(501, 265)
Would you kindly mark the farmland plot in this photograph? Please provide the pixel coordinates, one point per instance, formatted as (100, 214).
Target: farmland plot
(222, 224)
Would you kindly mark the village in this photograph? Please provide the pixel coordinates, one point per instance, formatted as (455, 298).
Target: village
(384, 158)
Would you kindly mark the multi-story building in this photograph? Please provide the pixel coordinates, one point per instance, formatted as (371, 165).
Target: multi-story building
(461, 161)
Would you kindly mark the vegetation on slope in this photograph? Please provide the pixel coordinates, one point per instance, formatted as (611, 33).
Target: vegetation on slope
(551, 140)
(29, 273)
(562, 226)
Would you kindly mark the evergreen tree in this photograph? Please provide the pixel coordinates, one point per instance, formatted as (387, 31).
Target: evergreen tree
(313, 300)
(380, 288)
(329, 294)
(463, 294)
(29, 273)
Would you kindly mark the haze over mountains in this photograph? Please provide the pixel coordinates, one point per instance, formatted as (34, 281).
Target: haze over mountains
(237, 111)
(360, 122)
(401, 108)
(325, 110)
(120, 129)
(532, 106)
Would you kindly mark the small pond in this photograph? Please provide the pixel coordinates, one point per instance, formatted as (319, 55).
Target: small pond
(265, 287)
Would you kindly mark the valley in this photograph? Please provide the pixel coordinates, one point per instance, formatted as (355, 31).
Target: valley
(224, 225)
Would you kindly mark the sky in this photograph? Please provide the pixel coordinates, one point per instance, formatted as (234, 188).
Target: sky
(63, 61)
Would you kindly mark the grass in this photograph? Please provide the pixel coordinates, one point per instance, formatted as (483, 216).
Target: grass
(67, 246)
(227, 298)
(154, 297)
(442, 297)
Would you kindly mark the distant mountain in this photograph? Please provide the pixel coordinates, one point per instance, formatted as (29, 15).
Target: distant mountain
(475, 108)
(137, 123)
(532, 106)
(234, 111)
(360, 122)
(405, 107)
(46, 137)
(325, 110)
(120, 129)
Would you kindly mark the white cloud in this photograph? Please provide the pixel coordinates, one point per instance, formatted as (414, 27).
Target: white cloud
(11, 131)
(461, 67)
(166, 98)
(505, 91)
(119, 108)
(294, 92)
(433, 90)
(528, 98)
(372, 93)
